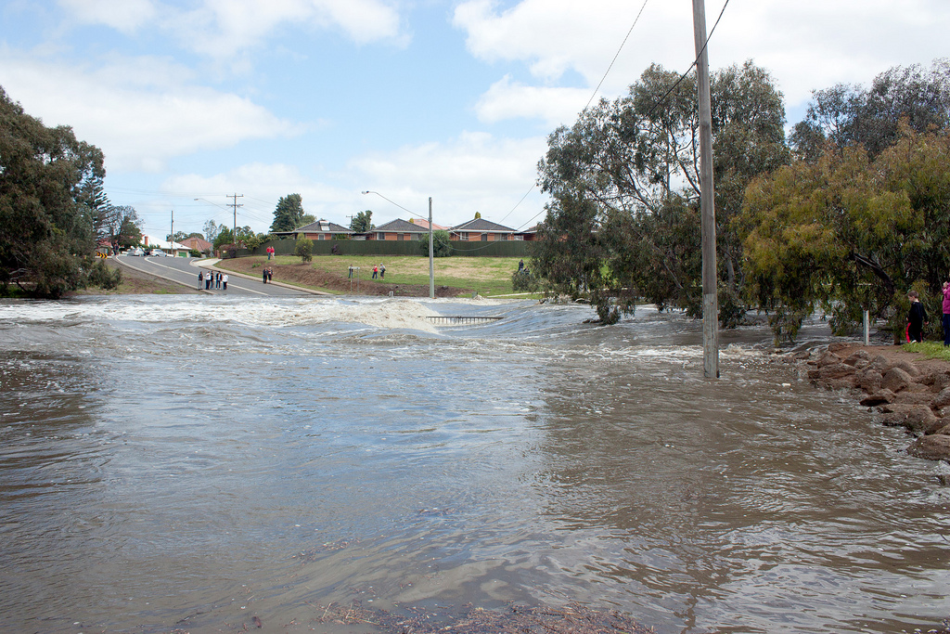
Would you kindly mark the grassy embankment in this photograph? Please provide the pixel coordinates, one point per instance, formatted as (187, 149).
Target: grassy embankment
(930, 349)
(486, 276)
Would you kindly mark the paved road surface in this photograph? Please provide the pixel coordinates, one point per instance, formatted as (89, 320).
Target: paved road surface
(185, 271)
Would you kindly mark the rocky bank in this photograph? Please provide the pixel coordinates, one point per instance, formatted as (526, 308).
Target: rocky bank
(906, 389)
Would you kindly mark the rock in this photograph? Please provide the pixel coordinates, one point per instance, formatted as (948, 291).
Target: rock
(907, 367)
(869, 380)
(828, 359)
(836, 346)
(835, 371)
(941, 381)
(880, 362)
(878, 398)
(934, 447)
(910, 396)
(857, 357)
(918, 419)
(944, 430)
(843, 383)
(896, 379)
(941, 400)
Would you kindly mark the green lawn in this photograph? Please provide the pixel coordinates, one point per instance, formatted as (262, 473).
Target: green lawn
(487, 276)
(930, 349)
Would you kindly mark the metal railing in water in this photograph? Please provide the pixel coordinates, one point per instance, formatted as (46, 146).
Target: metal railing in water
(453, 320)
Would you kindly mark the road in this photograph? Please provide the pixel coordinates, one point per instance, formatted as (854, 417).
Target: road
(185, 271)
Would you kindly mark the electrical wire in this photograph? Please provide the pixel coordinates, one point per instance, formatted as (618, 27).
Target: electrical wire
(617, 54)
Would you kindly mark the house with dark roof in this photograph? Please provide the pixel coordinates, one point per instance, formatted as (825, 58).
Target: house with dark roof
(398, 229)
(482, 230)
(319, 230)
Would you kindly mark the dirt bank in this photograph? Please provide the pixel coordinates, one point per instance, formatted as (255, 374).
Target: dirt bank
(906, 389)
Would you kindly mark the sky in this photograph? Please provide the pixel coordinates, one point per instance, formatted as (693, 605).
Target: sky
(193, 101)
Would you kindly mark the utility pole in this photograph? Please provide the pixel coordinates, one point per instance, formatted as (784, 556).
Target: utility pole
(431, 266)
(235, 205)
(707, 199)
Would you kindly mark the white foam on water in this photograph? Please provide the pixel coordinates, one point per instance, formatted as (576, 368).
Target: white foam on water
(390, 314)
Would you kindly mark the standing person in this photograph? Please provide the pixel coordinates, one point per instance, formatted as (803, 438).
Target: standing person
(916, 317)
(270, 275)
(375, 271)
(201, 278)
(520, 265)
(224, 281)
(217, 280)
(382, 271)
(208, 281)
(946, 314)
(264, 274)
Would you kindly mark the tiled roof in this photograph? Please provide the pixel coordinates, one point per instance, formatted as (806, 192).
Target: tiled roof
(400, 226)
(318, 227)
(480, 224)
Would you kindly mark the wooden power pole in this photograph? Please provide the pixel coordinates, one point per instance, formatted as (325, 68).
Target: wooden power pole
(707, 199)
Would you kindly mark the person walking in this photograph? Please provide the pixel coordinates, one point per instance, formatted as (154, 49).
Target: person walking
(916, 318)
(224, 281)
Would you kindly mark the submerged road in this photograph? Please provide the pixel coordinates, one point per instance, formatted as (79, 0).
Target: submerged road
(185, 271)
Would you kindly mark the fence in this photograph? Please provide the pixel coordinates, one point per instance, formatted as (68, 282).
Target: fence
(506, 249)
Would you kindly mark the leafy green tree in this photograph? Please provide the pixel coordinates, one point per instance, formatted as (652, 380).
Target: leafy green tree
(129, 231)
(849, 233)
(304, 249)
(362, 222)
(288, 214)
(211, 230)
(441, 244)
(847, 116)
(47, 219)
(627, 171)
(305, 220)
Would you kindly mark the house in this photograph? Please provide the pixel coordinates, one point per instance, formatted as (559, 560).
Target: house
(319, 230)
(197, 244)
(424, 224)
(528, 235)
(170, 248)
(483, 230)
(399, 230)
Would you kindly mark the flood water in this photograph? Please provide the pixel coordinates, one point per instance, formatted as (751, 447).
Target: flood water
(187, 462)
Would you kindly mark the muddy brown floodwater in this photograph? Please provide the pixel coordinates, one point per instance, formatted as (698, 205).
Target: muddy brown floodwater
(205, 464)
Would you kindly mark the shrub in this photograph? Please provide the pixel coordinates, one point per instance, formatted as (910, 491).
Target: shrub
(304, 249)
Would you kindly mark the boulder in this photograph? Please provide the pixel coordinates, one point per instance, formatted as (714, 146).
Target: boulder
(836, 346)
(907, 367)
(917, 419)
(835, 371)
(941, 400)
(880, 362)
(828, 359)
(933, 447)
(869, 380)
(858, 357)
(896, 379)
(878, 398)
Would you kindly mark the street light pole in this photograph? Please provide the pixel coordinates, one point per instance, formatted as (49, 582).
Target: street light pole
(431, 265)
(431, 256)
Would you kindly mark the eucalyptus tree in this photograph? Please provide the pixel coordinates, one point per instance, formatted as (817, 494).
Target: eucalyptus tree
(48, 221)
(850, 115)
(627, 172)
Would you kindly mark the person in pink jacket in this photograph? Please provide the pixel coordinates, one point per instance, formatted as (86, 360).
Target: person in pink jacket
(946, 314)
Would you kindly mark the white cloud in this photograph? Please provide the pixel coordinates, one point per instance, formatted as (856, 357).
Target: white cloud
(140, 112)
(507, 100)
(125, 16)
(223, 29)
(806, 45)
(475, 172)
